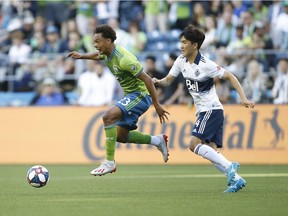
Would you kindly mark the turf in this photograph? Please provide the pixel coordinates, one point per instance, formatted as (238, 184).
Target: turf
(158, 190)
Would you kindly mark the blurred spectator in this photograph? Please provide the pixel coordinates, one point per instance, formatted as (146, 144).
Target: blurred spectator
(84, 11)
(128, 11)
(180, 13)
(138, 38)
(248, 23)
(39, 24)
(281, 28)
(64, 71)
(19, 51)
(37, 42)
(273, 12)
(239, 7)
(88, 37)
(222, 90)
(27, 27)
(259, 11)
(151, 70)
(75, 42)
(225, 32)
(259, 41)
(54, 44)
(156, 15)
(215, 8)
(57, 13)
(210, 33)
(174, 92)
(102, 11)
(24, 81)
(238, 43)
(49, 94)
(199, 16)
(280, 88)
(96, 85)
(254, 83)
(123, 37)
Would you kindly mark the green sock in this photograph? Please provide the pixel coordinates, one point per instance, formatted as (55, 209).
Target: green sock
(111, 134)
(138, 137)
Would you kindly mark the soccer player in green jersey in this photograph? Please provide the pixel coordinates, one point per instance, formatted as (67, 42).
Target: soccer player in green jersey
(139, 93)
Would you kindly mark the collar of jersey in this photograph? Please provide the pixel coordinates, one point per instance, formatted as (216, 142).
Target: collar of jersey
(112, 54)
(198, 58)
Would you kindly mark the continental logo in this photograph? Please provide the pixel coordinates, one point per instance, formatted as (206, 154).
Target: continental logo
(251, 130)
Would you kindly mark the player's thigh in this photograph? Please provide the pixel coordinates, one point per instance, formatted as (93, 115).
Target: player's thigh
(133, 106)
(112, 115)
(208, 126)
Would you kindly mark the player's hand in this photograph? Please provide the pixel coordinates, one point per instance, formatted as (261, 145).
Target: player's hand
(162, 113)
(247, 103)
(74, 55)
(155, 80)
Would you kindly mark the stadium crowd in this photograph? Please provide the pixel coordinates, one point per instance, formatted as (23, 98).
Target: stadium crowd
(248, 38)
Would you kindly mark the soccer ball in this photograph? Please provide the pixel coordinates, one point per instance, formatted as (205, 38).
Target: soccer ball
(37, 176)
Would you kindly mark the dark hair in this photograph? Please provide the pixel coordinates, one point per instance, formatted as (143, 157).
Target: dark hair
(173, 56)
(106, 31)
(194, 35)
(151, 57)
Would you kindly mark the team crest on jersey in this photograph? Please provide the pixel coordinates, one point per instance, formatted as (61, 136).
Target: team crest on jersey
(134, 67)
(115, 68)
(197, 72)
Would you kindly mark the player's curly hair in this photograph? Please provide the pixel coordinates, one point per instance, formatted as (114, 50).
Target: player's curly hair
(194, 35)
(106, 31)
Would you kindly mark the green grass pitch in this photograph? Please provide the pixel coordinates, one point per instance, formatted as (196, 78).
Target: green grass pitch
(144, 190)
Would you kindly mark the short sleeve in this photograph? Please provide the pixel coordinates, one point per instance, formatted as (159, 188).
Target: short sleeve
(214, 70)
(131, 64)
(176, 68)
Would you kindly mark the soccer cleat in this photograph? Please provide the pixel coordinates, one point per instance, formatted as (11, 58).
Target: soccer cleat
(103, 169)
(163, 148)
(236, 186)
(231, 171)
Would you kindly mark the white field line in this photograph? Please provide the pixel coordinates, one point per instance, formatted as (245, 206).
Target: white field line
(115, 176)
(170, 176)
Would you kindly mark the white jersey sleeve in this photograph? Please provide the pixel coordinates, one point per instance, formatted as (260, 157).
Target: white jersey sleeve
(213, 69)
(177, 66)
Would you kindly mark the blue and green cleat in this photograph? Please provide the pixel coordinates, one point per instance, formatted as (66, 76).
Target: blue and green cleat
(231, 171)
(236, 186)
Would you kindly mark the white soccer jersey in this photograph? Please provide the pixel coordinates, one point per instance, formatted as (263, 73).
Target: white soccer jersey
(199, 78)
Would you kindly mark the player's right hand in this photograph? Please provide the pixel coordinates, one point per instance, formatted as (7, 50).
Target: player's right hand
(74, 55)
(155, 80)
(248, 104)
(162, 113)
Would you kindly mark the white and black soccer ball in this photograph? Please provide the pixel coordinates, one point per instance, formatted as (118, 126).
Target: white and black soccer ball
(37, 176)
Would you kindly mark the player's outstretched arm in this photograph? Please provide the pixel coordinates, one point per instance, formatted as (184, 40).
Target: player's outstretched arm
(235, 83)
(162, 113)
(91, 56)
(166, 81)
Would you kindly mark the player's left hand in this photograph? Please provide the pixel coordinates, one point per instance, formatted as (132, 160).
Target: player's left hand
(162, 113)
(247, 103)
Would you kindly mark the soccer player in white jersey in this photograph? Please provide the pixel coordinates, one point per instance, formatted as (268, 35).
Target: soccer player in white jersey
(199, 73)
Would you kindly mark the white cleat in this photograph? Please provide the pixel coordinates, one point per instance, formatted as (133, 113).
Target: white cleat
(163, 147)
(103, 169)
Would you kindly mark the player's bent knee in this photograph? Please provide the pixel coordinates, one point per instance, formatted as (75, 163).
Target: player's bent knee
(192, 146)
(122, 139)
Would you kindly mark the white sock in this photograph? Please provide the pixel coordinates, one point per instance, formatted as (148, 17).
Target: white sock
(223, 170)
(155, 140)
(220, 168)
(212, 155)
(225, 161)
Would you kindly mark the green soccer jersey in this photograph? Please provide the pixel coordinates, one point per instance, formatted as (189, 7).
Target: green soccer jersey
(125, 67)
